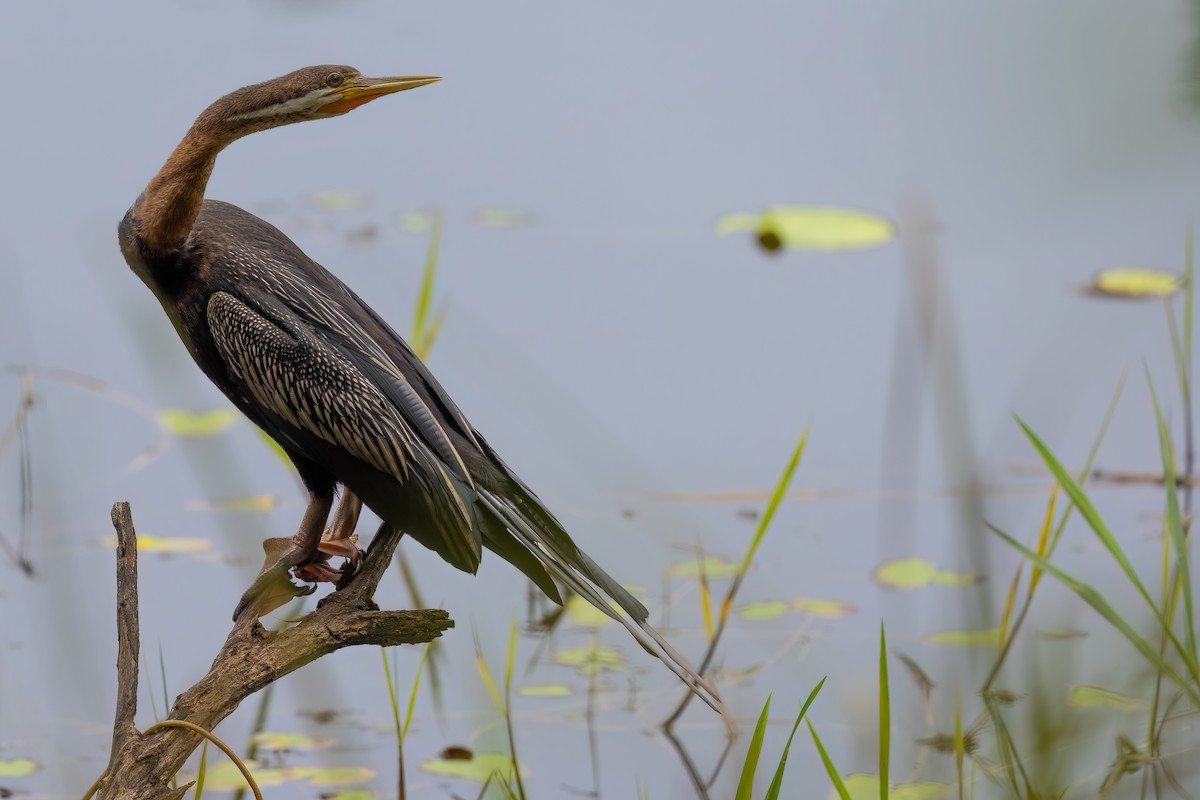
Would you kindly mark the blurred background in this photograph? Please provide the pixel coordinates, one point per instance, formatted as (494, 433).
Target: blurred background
(646, 375)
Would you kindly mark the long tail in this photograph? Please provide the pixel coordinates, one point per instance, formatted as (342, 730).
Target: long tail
(537, 530)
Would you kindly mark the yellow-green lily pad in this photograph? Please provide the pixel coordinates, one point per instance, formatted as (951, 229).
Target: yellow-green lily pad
(254, 502)
(547, 690)
(1136, 282)
(338, 201)
(181, 422)
(1095, 697)
(866, 787)
(225, 777)
(583, 613)
(181, 545)
(769, 609)
(334, 776)
(349, 794)
(16, 767)
(823, 228)
(415, 221)
(478, 769)
(589, 660)
(989, 637)
(275, 740)
(914, 573)
(711, 566)
(829, 609)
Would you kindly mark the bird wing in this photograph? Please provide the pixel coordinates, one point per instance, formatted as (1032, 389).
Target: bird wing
(340, 394)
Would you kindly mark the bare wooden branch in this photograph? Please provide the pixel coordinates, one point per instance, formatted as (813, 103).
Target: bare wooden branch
(250, 659)
(128, 637)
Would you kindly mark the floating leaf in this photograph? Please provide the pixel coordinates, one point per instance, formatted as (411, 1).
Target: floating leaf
(226, 777)
(272, 740)
(333, 776)
(583, 613)
(983, 638)
(349, 794)
(810, 228)
(1062, 633)
(415, 221)
(769, 609)
(181, 422)
(712, 566)
(548, 690)
(1095, 697)
(1135, 282)
(478, 769)
(866, 787)
(160, 544)
(913, 573)
(589, 660)
(830, 609)
(338, 201)
(256, 502)
(16, 767)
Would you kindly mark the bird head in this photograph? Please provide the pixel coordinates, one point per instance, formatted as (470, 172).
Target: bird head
(309, 93)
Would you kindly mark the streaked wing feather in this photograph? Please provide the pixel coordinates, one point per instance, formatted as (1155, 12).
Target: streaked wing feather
(316, 386)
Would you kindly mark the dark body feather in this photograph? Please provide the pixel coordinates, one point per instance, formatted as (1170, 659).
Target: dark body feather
(316, 368)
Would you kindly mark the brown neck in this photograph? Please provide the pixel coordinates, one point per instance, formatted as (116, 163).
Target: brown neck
(168, 207)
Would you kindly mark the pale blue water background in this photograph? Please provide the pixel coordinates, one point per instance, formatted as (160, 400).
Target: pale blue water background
(614, 350)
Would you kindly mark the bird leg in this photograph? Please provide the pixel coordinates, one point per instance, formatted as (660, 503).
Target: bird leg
(272, 588)
(338, 539)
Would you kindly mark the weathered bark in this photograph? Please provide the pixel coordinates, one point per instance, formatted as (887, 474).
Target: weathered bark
(252, 657)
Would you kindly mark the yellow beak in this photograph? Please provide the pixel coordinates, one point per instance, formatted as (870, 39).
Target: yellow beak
(364, 90)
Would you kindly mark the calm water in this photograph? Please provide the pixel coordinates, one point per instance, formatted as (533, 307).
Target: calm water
(614, 349)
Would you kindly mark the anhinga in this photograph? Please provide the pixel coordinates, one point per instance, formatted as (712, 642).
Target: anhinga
(312, 365)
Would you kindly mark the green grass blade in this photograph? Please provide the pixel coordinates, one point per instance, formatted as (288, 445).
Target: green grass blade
(1175, 529)
(1093, 598)
(201, 771)
(885, 715)
(781, 487)
(750, 766)
(830, 769)
(412, 696)
(422, 336)
(1097, 524)
(777, 781)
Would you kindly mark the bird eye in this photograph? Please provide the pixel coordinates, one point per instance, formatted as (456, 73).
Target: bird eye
(335, 79)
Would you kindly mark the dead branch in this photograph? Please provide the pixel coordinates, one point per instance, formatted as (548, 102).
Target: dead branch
(252, 657)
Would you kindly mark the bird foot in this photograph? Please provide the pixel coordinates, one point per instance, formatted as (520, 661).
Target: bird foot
(318, 570)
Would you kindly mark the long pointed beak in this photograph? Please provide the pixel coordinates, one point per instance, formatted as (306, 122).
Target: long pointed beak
(364, 90)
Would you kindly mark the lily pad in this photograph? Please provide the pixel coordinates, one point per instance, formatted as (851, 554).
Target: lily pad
(165, 544)
(226, 777)
(276, 740)
(829, 609)
(547, 690)
(866, 787)
(478, 769)
(1136, 282)
(914, 573)
(334, 776)
(502, 218)
(589, 660)
(16, 767)
(824, 228)
(712, 566)
(193, 424)
(339, 201)
(1095, 697)
(989, 637)
(769, 609)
